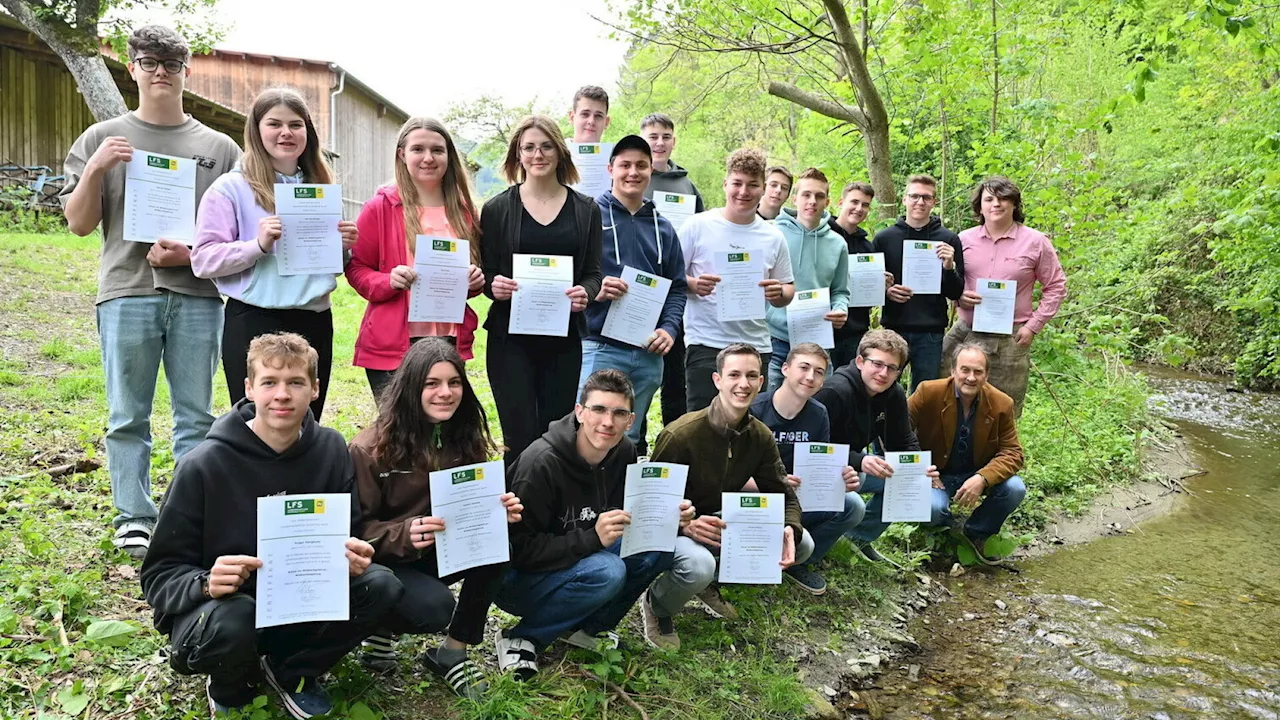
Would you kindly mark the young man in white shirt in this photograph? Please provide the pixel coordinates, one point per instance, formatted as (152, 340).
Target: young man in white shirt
(735, 228)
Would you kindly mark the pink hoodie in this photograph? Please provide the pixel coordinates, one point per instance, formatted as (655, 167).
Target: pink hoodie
(383, 339)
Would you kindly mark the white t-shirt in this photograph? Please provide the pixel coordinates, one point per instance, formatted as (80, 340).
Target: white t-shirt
(701, 237)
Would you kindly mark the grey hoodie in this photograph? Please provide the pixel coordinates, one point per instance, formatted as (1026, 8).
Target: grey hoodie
(674, 179)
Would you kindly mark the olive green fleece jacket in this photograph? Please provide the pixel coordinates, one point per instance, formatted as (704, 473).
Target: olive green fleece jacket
(723, 459)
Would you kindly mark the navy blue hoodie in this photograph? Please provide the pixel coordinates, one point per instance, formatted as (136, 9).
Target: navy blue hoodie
(647, 242)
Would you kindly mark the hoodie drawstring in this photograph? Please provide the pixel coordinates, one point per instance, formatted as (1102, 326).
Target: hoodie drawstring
(657, 238)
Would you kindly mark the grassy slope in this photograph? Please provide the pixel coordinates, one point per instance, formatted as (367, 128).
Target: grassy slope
(59, 574)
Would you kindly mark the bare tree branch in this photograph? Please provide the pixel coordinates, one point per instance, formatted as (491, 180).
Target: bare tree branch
(821, 105)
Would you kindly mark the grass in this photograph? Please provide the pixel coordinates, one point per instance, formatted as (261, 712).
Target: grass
(75, 634)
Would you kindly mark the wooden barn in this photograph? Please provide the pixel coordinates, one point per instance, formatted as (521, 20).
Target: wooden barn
(42, 113)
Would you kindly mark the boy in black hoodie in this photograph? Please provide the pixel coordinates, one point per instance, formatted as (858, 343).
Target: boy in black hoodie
(864, 403)
(920, 320)
(198, 575)
(567, 576)
(855, 204)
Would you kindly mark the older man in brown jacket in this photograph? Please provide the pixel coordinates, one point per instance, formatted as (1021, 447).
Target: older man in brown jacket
(969, 425)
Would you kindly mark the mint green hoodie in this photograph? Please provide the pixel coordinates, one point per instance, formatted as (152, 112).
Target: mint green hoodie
(819, 259)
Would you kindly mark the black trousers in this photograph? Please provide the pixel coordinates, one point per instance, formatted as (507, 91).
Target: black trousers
(241, 323)
(218, 638)
(700, 363)
(534, 381)
(380, 379)
(845, 351)
(428, 606)
(674, 403)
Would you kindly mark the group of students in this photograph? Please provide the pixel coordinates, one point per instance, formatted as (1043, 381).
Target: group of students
(571, 408)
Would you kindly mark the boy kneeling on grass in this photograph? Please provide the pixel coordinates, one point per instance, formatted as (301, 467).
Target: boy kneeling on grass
(199, 574)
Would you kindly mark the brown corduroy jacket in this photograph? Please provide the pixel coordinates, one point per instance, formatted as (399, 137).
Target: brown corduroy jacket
(996, 450)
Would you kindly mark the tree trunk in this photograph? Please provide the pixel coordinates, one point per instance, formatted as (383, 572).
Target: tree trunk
(78, 49)
(880, 165)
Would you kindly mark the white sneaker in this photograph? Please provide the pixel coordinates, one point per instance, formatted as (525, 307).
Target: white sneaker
(133, 538)
(579, 639)
(516, 656)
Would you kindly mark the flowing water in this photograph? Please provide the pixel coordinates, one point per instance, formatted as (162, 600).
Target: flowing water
(1179, 619)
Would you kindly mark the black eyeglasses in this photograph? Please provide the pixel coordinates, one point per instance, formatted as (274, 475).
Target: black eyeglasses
(878, 365)
(149, 64)
(916, 197)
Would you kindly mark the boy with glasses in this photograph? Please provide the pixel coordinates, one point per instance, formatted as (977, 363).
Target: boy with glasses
(567, 578)
(920, 319)
(865, 403)
(150, 307)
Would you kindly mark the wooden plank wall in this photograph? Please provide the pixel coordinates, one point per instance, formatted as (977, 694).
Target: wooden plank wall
(41, 111)
(366, 143)
(235, 80)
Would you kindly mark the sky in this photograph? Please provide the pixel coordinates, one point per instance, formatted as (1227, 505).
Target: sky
(425, 55)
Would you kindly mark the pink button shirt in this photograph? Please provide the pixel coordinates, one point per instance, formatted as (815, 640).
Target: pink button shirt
(1026, 256)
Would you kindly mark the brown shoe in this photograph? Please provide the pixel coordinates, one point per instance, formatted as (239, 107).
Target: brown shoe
(715, 605)
(659, 632)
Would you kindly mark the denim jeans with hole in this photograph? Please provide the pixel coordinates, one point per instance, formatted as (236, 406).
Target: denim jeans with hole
(137, 334)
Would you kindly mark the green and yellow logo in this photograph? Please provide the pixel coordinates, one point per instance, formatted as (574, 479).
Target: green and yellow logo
(865, 258)
(162, 163)
(739, 257)
(922, 246)
(588, 149)
(542, 262)
(655, 472)
(808, 295)
(646, 280)
(304, 507)
(311, 193)
(753, 501)
(468, 475)
(908, 459)
(676, 198)
(444, 245)
(995, 285)
(822, 450)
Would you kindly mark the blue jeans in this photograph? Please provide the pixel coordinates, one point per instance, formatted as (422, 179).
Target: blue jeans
(780, 350)
(926, 356)
(643, 367)
(987, 519)
(137, 334)
(593, 595)
(827, 527)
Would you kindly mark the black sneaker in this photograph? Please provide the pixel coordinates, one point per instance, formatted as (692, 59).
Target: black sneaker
(303, 698)
(465, 678)
(806, 578)
(224, 709)
(134, 538)
(871, 554)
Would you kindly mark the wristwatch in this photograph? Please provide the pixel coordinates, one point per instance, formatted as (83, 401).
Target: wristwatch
(204, 586)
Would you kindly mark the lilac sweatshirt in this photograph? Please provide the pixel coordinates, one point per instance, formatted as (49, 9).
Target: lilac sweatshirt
(227, 250)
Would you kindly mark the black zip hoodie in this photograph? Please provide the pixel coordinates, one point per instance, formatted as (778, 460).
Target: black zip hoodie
(562, 497)
(922, 313)
(211, 508)
(857, 418)
(859, 317)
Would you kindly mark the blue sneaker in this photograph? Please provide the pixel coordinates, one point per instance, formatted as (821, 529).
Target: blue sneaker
(303, 698)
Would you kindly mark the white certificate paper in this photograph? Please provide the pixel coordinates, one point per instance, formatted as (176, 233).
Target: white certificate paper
(866, 280)
(907, 495)
(806, 321)
(592, 161)
(302, 545)
(309, 243)
(440, 292)
(820, 467)
(995, 313)
(633, 317)
(468, 499)
(676, 207)
(921, 267)
(738, 295)
(159, 198)
(654, 492)
(539, 305)
(751, 542)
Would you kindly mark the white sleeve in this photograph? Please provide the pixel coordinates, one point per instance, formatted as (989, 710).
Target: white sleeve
(781, 260)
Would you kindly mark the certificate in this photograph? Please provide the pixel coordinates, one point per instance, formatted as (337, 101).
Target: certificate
(738, 295)
(995, 313)
(820, 467)
(539, 305)
(806, 318)
(866, 280)
(159, 198)
(305, 576)
(633, 317)
(654, 492)
(676, 207)
(751, 542)
(921, 267)
(440, 292)
(468, 499)
(908, 494)
(592, 161)
(309, 243)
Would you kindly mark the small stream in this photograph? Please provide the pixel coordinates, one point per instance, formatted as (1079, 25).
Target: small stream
(1179, 619)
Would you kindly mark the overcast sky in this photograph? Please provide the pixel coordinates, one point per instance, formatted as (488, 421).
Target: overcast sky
(425, 55)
